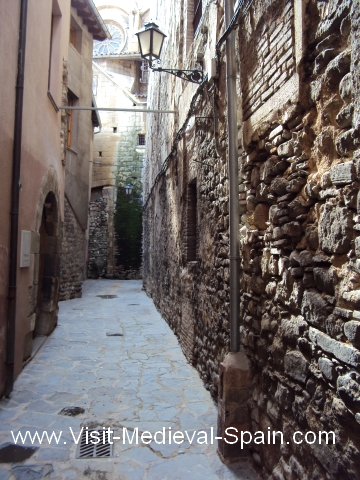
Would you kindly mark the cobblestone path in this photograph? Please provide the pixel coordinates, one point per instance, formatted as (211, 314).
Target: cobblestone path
(117, 359)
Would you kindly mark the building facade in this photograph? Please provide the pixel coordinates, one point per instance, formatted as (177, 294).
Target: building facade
(298, 155)
(37, 170)
(78, 149)
(119, 81)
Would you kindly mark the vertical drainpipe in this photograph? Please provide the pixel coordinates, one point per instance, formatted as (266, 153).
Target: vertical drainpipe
(233, 182)
(15, 197)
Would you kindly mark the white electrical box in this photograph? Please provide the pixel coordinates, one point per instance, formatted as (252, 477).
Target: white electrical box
(25, 249)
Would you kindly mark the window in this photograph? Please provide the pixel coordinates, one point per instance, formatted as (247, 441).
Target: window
(114, 129)
(144, 72)
(191, 223)
(141, 139)
(75, 35)
(197, 14)
(72, 36)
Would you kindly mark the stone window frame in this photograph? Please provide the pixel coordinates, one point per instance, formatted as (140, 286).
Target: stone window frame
(141, 139)
(75, 35)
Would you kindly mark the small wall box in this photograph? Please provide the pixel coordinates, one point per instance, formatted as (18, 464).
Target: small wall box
(25, 249)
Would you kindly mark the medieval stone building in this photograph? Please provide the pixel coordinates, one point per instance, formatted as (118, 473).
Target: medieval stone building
(46, 53)
(298, 113)
(119, 81)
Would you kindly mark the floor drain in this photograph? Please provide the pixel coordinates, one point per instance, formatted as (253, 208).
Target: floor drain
(107, 296)
(94, 444)
(130, 304)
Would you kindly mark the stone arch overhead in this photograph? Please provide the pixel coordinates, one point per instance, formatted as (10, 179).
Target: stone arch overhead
(49, 183)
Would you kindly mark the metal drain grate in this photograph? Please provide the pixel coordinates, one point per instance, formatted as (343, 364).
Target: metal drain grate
(107, 296)
(94, 444)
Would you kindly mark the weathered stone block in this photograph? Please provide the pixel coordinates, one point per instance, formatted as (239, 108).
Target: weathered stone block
(353, 297)
(313, 308)
(337, 68)
(262, 193)
(352, 332)
(297, 271)
(347, 142)
(312, 236)
(343, 312)
(272, 167)
(305, 258)
(345, 117)
(334, 326)
(293, 328)
(283, 396)
(275, 132)
(346, 88)
(327, 368)
(325, 279)
(348, 388)
(294, 258)
(292, 229)
(275, 213)
(296, 366)
(343, 174)
(278, 186)
(273, 411)
(323, 59)
(286, 149)
(261, 215)
(335, 229)
(296, 184)
(341, 351)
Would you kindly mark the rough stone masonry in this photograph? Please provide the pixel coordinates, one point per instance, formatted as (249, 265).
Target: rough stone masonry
(299, 178)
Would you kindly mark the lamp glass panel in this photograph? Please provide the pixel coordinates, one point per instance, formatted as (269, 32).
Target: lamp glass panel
(158, 39)
(144, 40)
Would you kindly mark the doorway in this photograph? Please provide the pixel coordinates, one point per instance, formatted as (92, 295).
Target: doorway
(49, 269)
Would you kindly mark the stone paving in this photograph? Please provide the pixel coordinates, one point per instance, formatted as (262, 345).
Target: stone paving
(118, 360)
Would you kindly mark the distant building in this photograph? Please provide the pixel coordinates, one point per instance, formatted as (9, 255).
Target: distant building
(120, 80)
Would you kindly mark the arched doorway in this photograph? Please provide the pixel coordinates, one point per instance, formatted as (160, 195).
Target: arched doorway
(49, 268)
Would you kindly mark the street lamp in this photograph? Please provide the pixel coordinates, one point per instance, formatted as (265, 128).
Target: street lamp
(151, 40)
(128, 189)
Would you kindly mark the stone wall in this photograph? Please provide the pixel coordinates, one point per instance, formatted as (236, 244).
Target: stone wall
(267, 52)
(72, 271)
(299, 176)
(98, 236)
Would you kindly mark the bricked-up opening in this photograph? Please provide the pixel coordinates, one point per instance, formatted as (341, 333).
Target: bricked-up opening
(191, 224)
(49, 270)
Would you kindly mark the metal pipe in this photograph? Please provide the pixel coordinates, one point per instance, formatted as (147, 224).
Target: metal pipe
(142, 110)
(15, 198)
(233, 182)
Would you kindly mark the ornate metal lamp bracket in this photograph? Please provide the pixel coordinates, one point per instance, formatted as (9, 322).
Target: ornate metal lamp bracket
(193, 76)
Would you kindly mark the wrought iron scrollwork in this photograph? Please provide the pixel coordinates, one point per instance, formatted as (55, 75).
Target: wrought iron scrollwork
(193, 76)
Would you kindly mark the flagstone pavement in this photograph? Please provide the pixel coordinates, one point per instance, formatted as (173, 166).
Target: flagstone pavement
(119, 361)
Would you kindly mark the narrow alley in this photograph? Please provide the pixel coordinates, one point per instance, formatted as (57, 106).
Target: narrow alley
(114, 358)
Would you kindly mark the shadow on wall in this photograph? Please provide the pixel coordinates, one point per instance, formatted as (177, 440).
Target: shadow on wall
(115, 234)
(128, 233)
